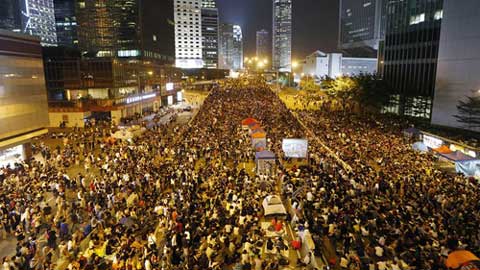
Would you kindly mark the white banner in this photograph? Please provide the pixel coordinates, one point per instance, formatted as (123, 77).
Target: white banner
(295, 148)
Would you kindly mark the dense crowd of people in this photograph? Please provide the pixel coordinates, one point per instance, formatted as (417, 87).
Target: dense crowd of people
(172, 198)
(394, 210)
(178, 196)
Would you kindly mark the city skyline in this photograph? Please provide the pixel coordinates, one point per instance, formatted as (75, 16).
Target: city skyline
(254, 15)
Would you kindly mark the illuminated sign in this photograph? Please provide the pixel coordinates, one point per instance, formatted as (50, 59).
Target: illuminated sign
(189, 63)
(140, 98)
(170, 86)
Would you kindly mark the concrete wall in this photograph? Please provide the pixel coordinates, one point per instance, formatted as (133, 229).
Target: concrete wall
(458, 60)
(335, 65)
(316, 65)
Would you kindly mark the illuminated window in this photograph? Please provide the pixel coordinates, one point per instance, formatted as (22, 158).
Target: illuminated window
(416, 19)
(438, 15)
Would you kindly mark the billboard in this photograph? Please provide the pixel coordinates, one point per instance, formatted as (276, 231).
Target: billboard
(295, 148)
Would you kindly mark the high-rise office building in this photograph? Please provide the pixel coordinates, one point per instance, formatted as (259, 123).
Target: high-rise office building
(411, 53)
(237, 47)
(210, 26)
(225, 48)
(458, 61)
(38, 19)
(10, 16)
(362, 26)
(282, 35)
(126, 28)
(188, 34)
(66, 23)
(231, 47)
(263, 51)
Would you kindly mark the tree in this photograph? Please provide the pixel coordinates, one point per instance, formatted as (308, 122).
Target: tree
(327, 83)
(344, 89)
(469, 112)
(307, 83)
(373, 92)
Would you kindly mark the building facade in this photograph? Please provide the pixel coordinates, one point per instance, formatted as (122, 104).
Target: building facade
(38, 19)
(104, 87)
(320, 64)
(225, 50)
(282, 35)
(10, 16)
(458, 61)
(126, 29)
(23, 106)
(32, 17)
(263, 45)
(410, 53)
(362, 26)
(188, 34)
(210, 25)
(231, 47)
(66, 23)
(237, 47)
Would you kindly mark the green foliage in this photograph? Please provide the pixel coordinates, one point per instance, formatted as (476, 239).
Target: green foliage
(327, 83)
(469, 112)
(343, 88)
(307, 83)
(373, 92)
(368, 90)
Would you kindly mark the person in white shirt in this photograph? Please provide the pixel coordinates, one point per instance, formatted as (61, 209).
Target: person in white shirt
(379, 251)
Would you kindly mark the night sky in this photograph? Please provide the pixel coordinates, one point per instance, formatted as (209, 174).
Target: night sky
(315, 23)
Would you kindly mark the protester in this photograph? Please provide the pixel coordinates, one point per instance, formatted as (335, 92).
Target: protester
(178, 196)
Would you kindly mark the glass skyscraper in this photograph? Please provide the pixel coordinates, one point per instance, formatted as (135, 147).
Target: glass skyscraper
(237, 47)
(126, 28)
(32, 17)
(263, 44)
(410, 54)
(10, 16)
(66, 23)
(210, 26)
(362, 25)
(231, 47)
(282, 35)
(39, 20)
